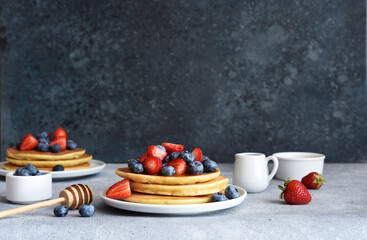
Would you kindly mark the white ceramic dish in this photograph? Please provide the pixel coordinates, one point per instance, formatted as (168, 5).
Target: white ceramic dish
(96, 167)
(296, 165)
(28, 189)
(174, 209)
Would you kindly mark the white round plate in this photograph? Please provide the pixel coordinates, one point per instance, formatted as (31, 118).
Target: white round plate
(174, 209)
(96, 166)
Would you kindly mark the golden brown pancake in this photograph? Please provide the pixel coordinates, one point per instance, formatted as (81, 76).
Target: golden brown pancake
(212, 186)
(166, 180)
(37, 155)
(49, 163)
(9, 166)
(158, 199)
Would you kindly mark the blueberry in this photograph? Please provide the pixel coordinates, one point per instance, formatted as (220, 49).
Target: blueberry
(24, 172)
(17, 172)
(69, 141)
(17, 145)
(44, 140)
(168, 171)
(58, 168)
(42, 135)
(131, 161)
(32, 169)
(43, 147)
(71, 145)
(166, 161)
(136, 167)
(232, 192)
(188, 157)
(38, 174)
(86, 210)
(210, 166)
(55, 148)
(195, 167)
(161, 147)
(218, 197)
(174, 155)
(206, 158)
(61, 211)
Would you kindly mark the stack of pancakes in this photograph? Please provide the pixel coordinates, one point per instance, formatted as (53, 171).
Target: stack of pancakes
(70, 159)
(177, 189)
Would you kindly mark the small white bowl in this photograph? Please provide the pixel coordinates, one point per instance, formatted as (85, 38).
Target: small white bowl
(28, 189)
(296, 165)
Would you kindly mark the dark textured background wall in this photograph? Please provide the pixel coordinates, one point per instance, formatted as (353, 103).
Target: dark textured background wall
(226, 76)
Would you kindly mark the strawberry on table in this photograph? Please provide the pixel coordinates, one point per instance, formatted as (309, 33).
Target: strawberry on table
(313, 180)
(294, 192)
(199, 154)
(28, 142)
(60, 132)
(152, 165)
(119, 190)
(180, 166)
(154, 151)
(61, 141)
(172, 147)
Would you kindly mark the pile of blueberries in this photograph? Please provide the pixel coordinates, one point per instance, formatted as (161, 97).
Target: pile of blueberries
(28, 170)
(230, 193)
(84, 211)
(193, 167)
(44, 144)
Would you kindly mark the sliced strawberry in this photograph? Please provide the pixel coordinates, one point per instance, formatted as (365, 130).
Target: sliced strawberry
(60, 132)
(172, 147)
(61, 141)
(199, 154)
(119, 190)
(154, 151)
(143, 157)
(29, 142)
(153, 165)
(50, 136)
(179, 164)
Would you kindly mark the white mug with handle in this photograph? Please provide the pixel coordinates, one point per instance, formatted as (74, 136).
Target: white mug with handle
(251, 171)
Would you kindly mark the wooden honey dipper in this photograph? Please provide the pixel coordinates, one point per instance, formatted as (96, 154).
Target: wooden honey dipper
(71, 197)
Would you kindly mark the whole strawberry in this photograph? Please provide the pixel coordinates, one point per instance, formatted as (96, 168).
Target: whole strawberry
(294, 192)
(313, 180)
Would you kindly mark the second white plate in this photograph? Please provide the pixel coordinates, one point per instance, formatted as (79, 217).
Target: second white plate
(174, 209)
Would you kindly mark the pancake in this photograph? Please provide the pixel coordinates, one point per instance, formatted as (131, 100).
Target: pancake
(37, 155)
(49, 163)
(210, 187)
(166, 180)
(158, 199)
(9, 166)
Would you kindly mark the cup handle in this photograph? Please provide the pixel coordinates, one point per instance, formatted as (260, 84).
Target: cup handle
(275, 168)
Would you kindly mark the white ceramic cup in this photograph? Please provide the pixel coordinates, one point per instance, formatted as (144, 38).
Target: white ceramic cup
(28, 189)
(251, 171)
(296, 165)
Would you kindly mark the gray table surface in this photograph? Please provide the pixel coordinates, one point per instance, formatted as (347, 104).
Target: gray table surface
(337, 211)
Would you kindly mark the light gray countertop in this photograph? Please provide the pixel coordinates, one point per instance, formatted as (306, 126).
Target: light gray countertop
(337, 211)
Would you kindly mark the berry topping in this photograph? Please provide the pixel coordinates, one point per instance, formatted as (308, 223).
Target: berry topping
(60, 132)
(29, 142)
(171, 147)
(43, 147)
(58, 168)
(210, 165)
(166, 161)
(119, 190)
(42, 135)
(174, 155)
(180, 166)
(153, 165)
(232, 192)
(168, 171)
(188, 157)
(136, 167)
(32, 169)
(86, 210)
(61, 211)
(60, 141)
(143, 157)
(198, 154)
(161, 147)
(154, 151)
(313, 180)
(218, 197)
(17, 145)
(195, 167)
(294, 192)
(71, 145)
(55, 148)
